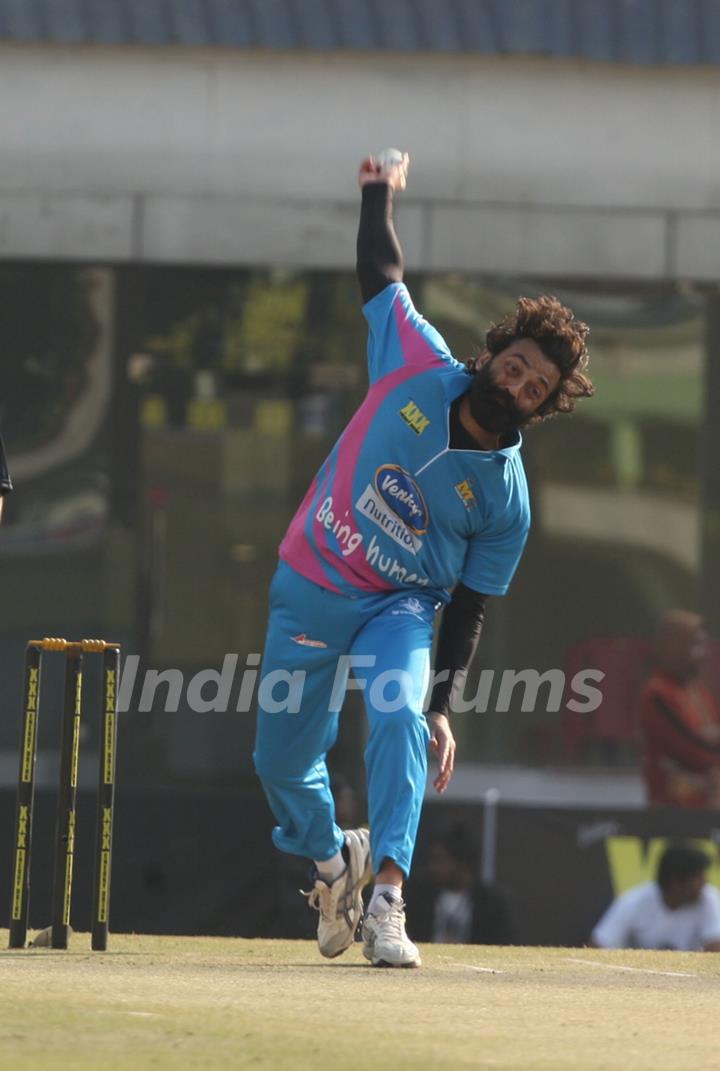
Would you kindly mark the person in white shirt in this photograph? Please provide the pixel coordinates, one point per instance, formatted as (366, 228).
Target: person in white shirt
(677, 911)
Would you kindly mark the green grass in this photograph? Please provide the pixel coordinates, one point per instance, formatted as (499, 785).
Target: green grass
(167, 1002)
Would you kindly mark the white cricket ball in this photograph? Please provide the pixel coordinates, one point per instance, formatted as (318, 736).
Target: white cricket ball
(388, 157)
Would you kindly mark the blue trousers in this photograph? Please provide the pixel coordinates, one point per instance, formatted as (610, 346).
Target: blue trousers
(314, 638)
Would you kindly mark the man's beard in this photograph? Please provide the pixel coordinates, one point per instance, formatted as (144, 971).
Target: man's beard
(493, 407)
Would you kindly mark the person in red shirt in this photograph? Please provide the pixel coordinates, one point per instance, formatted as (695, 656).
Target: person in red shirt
(680, 719)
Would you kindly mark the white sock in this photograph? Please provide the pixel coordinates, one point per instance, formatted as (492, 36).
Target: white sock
(393, 892)
(330, 869)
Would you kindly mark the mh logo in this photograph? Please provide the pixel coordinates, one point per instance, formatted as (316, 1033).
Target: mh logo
(466, 494)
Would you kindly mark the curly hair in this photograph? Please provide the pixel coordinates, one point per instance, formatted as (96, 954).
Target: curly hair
(560, 336)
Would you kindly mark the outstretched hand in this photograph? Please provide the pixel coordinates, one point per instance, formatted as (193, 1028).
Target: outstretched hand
(395, 174)
(442, 746)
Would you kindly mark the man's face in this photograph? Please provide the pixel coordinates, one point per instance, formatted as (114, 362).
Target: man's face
(698, 644)
(684, 891)
(508, 388)
(682, 644)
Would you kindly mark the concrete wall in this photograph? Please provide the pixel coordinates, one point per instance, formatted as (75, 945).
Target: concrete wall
(248, 157)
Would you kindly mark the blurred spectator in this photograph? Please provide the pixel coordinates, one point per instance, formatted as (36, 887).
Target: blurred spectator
(454, 907)
(679, 910)
(5, 481)
(680, 719)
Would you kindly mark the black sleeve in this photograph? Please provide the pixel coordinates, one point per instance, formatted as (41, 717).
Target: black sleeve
(5, 481)
(459, 635)
(379, 256)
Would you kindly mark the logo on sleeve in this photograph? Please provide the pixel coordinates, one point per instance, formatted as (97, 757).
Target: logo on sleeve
(414, 418)
(465, 492)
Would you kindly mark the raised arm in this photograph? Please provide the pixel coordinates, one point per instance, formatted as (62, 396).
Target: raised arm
(379, 256)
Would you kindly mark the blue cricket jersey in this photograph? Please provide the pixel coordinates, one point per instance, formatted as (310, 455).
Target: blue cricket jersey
(393, 507)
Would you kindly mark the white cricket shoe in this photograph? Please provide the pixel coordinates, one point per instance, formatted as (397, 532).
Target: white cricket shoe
(340, 904)
(385, 942)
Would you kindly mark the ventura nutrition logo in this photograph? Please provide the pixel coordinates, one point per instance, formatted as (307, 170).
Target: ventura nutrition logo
(400, 492)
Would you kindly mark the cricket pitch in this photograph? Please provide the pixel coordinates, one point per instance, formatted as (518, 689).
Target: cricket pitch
(166, 1003)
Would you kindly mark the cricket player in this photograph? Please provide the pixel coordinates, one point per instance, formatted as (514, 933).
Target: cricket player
(422, 504)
